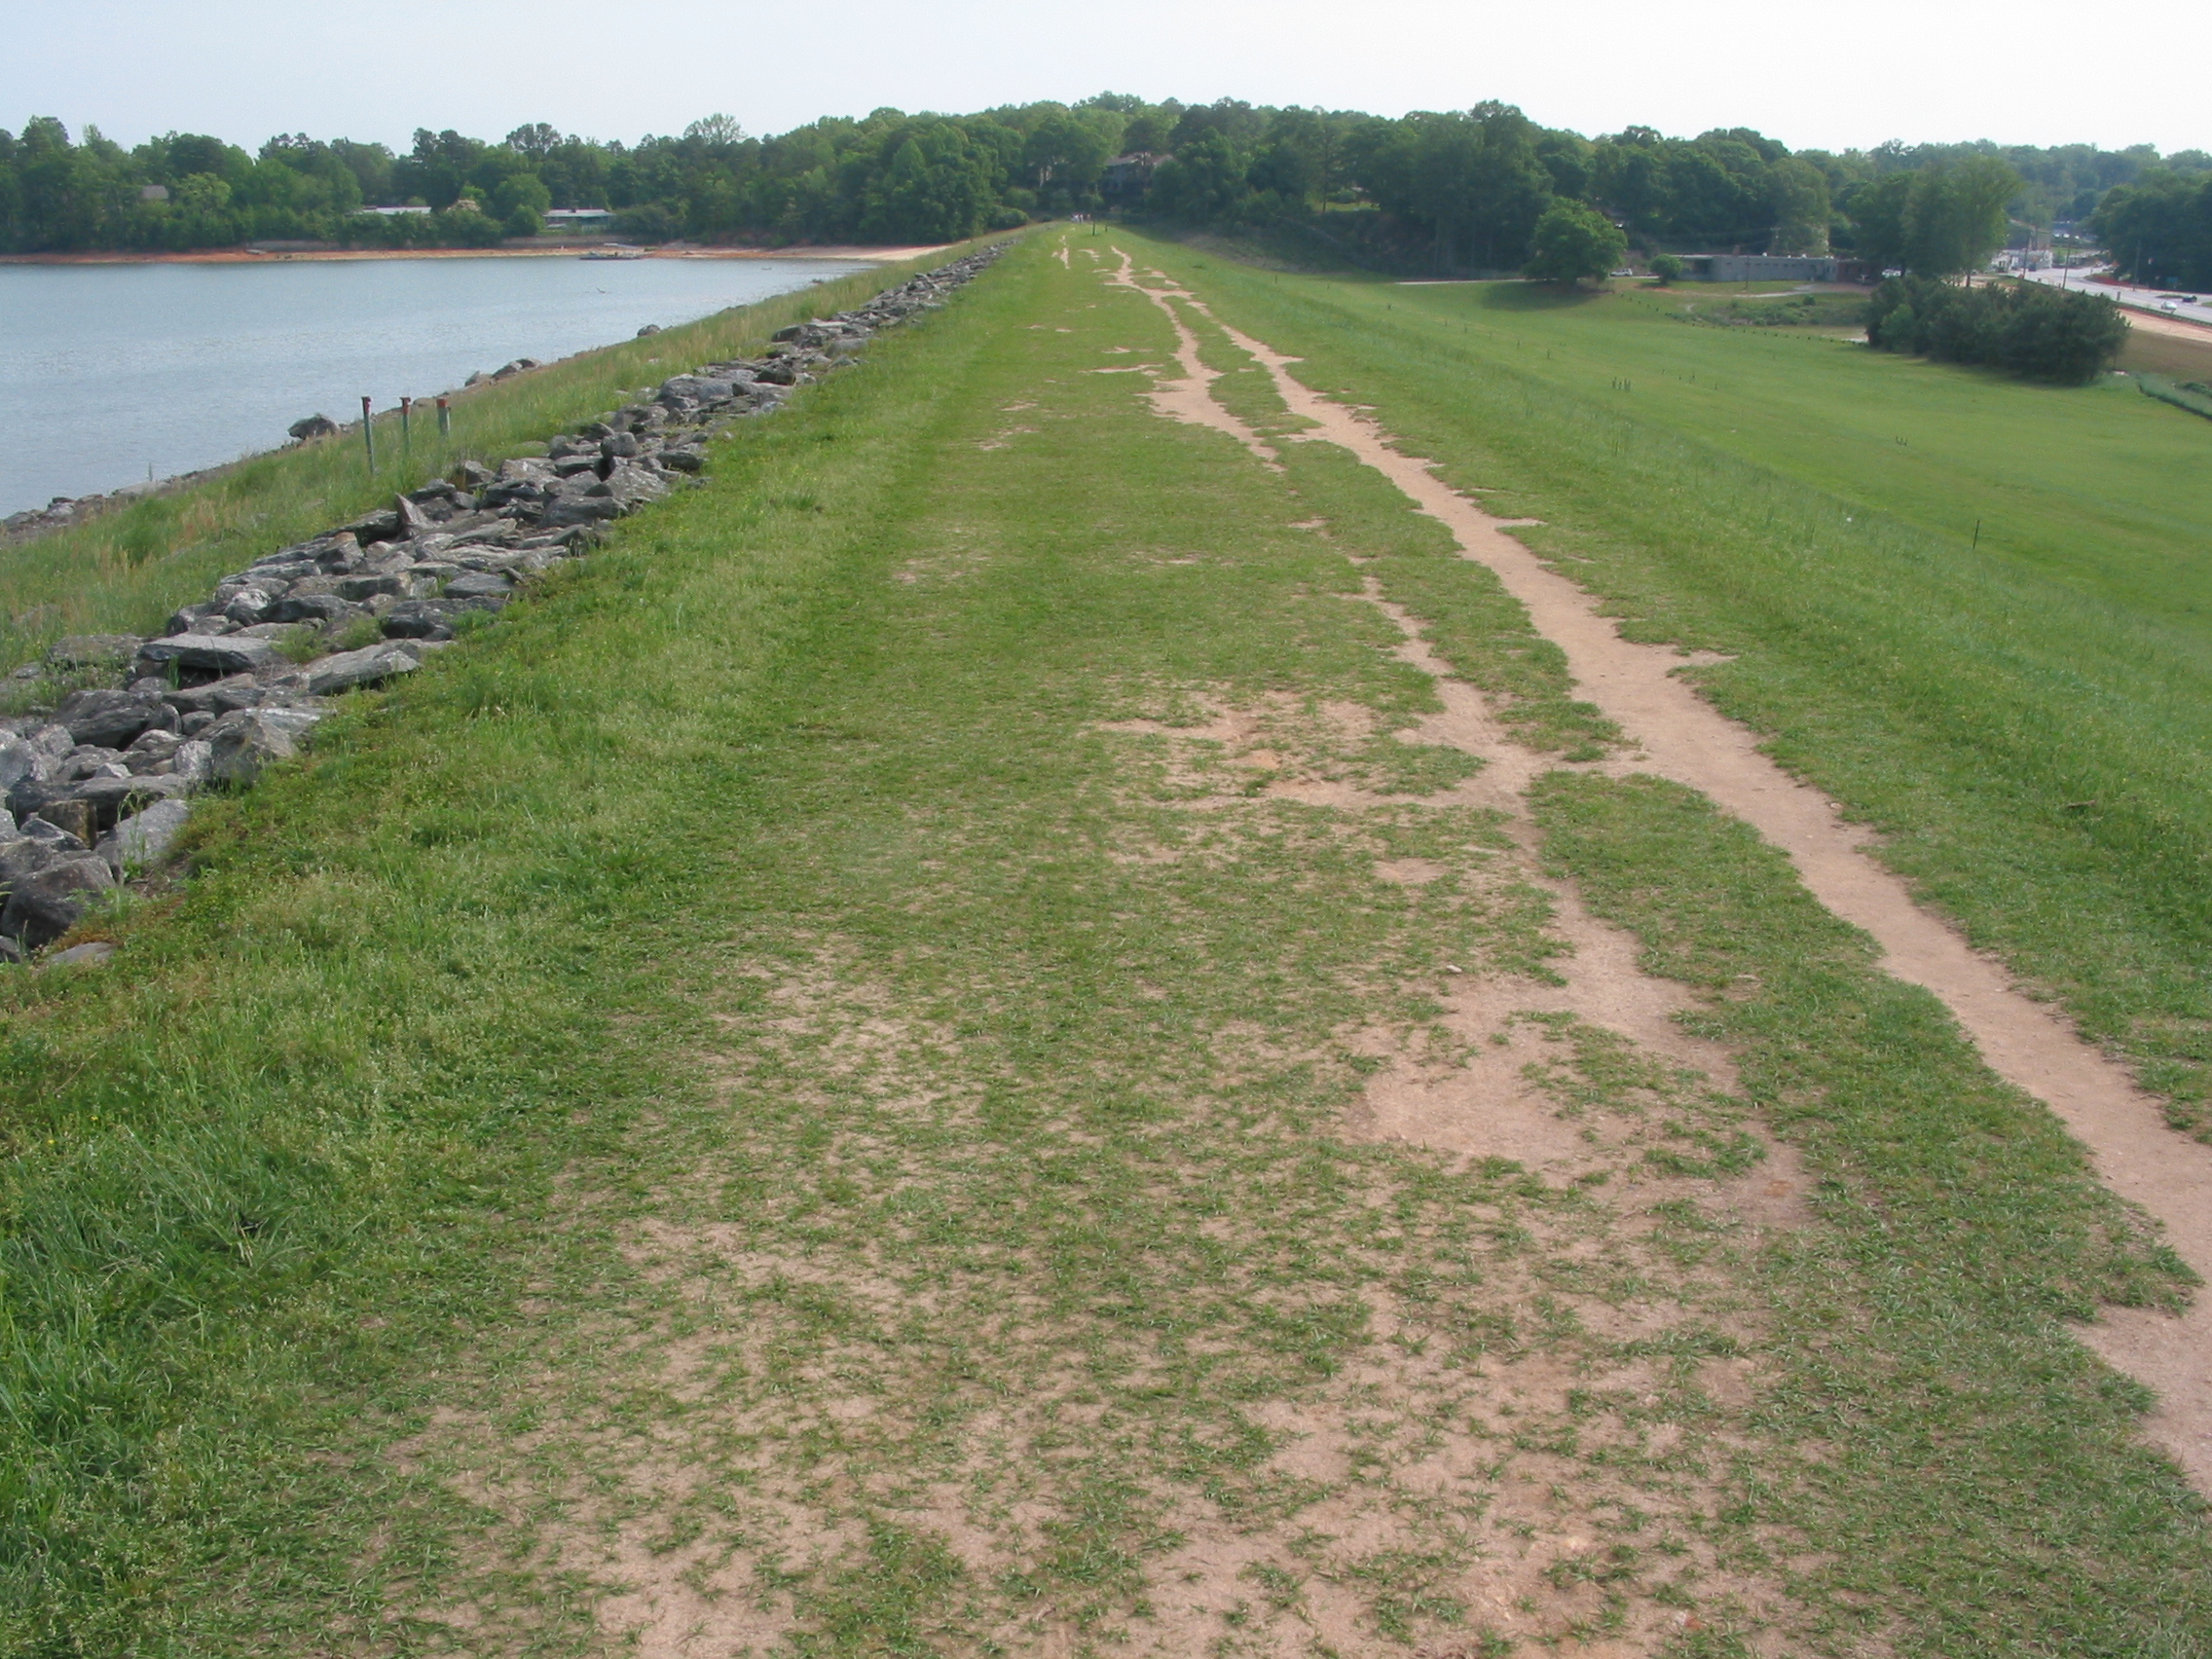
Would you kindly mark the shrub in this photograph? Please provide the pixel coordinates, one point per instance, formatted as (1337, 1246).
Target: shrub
(1572, 241)
(648, 222)
(1667, 268)
(2025, 328)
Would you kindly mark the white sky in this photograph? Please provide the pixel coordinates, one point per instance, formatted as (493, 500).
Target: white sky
(1814, 76)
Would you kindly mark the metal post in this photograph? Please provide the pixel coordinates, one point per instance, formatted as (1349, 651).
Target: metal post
(445, 419)
(369, 435)
(406, 436)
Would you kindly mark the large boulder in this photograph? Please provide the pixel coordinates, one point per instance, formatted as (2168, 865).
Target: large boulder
(480, 584)
(348, 671)
(112, 798)
(112, 719)
(313, 427)
(48, 903)
(204, 656)
(144, 839)
(242, 745)
(17, 760)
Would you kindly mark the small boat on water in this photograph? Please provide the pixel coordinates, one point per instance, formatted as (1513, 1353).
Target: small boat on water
(615, 251)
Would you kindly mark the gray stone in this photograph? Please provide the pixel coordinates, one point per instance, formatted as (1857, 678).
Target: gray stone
(250, 605)
(202, 655)
(373, 526)
(91, 954)
(479, 584)
(17, 759)
(112, 799)
(193, 757)
(111, 718)
(313, 427)
(242, 744)
(350, 670)
(50, 836)
(144, 838)
(682, 458)
(217, 696)
(355, 589)
(418, 619)
(48, 903)
(308, 607)
(79, 820)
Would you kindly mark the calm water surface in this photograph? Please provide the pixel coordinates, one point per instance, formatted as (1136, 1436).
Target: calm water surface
(107, 371)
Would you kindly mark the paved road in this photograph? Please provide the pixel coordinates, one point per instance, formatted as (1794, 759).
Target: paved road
(2135, 299)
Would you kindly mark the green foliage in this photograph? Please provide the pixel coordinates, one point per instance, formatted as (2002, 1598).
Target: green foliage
(1940, 220)
(2023, 327)
(1572, 242)
(1797, 193)
(1667, 268)
(2159, 229)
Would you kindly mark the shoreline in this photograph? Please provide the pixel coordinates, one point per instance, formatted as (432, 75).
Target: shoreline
(566, 250)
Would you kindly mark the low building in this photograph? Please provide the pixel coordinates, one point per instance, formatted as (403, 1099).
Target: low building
(1761, 267)
(390, 213)
(579, 218)
(153, 193)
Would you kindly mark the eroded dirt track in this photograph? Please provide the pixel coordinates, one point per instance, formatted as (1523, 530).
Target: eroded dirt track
(1687, 740)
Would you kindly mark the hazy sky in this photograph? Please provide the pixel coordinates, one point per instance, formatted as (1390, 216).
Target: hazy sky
(1811, 75)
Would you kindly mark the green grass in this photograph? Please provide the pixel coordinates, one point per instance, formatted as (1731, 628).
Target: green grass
(2028, 722)
(802, 1065)
(125, 570)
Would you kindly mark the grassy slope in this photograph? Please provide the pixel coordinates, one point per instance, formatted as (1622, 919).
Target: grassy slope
(127, 570)
(767, 881)
(1967, 1465)
(2029, 724)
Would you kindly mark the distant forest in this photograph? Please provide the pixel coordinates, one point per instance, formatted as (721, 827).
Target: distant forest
(1457, 190)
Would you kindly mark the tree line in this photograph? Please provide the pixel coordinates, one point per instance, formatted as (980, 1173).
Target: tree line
(1452, 190)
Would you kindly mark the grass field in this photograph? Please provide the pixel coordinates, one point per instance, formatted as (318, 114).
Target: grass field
(2027, 720)
(908, 1060)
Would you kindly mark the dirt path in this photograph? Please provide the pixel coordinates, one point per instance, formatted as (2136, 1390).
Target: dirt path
(1687, 740)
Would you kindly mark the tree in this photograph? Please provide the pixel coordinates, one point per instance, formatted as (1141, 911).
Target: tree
(1955, 215)
(518, 203)
(2025, 327)
(1797, 195)
(1667, 268)
(536, 141)
(2160, 228)
(1572, 241)
(718, 132)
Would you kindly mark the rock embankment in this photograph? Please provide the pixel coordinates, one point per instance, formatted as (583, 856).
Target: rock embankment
(96, 785)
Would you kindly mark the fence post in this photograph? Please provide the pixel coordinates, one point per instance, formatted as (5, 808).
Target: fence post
(445, 419)
(369, 437)
(406, 435)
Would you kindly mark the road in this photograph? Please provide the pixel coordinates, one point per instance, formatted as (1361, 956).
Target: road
(2134, 298)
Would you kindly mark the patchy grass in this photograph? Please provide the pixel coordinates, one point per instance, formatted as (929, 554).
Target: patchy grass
(812, 1091)
(2029, 722)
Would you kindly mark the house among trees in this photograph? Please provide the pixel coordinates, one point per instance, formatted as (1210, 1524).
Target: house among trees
(1123, 180)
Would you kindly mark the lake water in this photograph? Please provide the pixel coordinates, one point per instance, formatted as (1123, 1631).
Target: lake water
(107, 371)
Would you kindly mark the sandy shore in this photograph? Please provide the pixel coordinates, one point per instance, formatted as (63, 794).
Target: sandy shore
(565, 250)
